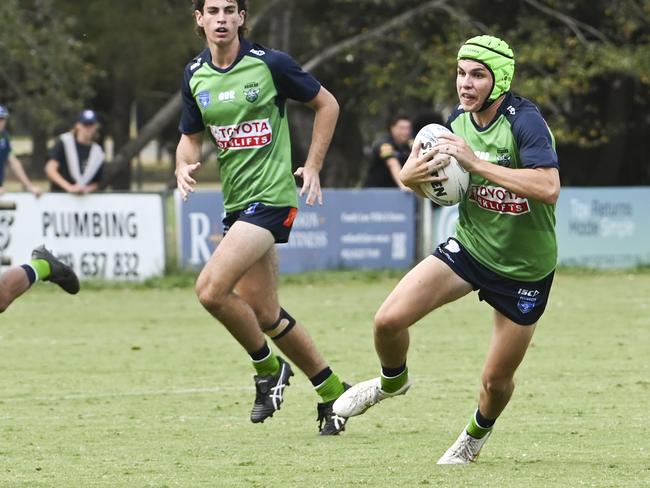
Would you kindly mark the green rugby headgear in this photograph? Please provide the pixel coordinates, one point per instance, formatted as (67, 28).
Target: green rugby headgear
(496, 56)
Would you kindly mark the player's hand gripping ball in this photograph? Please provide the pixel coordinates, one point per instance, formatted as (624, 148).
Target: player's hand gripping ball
(453, 189)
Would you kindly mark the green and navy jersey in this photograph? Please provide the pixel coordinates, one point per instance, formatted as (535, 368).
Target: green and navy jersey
(5, 151)
(510, 234)
(243, 109)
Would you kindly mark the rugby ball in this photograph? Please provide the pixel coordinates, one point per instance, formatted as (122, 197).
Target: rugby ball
(453, 189)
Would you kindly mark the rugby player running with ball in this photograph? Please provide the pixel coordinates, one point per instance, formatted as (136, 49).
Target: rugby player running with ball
(505, 245)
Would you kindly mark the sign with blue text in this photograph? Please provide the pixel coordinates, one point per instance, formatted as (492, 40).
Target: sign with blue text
(369, 229)
(596, 227)
(604, 227)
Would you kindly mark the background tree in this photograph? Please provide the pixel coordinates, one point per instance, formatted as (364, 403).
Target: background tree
(140, 50)
(43, 74)
(586, 63)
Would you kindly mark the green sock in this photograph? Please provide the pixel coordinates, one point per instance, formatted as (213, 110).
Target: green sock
(269, 366)
(393, 383)
(475, 430)
(331, 388)
(41, 267)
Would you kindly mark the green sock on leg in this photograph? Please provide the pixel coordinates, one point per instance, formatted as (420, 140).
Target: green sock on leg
(476, 430)
(390, 384)
(330, 389)
(41, 267)
(269, 366)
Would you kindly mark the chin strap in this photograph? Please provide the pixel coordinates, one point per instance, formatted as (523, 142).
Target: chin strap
(487, 104)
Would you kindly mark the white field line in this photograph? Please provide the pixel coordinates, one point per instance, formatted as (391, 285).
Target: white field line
(122, 394)
(163, 392)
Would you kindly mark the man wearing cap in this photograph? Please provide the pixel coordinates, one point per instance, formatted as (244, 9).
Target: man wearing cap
(6, 155)
(75, 163)
(505, 245)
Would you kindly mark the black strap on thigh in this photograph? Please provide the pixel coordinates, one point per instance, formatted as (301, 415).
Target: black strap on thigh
(281, 326)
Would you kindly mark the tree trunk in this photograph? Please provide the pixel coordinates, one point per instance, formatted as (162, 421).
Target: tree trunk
(153, 127)
(121, 177)
(39, 152)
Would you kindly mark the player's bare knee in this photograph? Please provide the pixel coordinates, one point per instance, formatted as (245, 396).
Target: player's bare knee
(267, 319)
(210, 296)
(280, 327)
(495, 385)
(387, 323)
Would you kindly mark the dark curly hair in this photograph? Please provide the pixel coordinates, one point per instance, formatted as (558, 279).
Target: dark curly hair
(241, 5)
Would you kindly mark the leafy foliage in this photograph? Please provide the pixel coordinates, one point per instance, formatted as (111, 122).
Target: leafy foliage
(43, 69)
(586, 63)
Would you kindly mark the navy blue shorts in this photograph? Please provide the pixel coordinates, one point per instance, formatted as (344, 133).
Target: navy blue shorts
(277, 220)
(523, 302)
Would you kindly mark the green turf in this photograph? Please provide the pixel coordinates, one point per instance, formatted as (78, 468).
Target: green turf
(140, 388)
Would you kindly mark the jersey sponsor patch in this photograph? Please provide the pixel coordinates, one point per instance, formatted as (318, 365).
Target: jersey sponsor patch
(247, 135)
(497, 199)
(227, 96)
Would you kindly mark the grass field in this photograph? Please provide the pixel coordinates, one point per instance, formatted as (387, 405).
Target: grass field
(138, 387)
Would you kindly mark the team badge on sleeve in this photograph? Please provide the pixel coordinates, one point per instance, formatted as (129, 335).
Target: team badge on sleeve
(204, 98)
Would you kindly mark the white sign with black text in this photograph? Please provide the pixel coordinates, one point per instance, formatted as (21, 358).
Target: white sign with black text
(117, 236)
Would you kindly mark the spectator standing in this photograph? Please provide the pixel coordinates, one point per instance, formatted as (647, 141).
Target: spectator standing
(390, 153)
(75, 163)
(7, 156)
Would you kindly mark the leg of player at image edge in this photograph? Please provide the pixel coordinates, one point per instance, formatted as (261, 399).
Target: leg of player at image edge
(49, 268)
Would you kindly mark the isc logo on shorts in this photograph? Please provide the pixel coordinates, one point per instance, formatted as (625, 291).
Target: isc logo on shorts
(527, 293)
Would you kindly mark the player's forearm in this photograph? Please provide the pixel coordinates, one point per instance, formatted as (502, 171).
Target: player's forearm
(52, 173)
(394, 168)
(541, 184)
(19, 172)
(327, 113)
(188, 150)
